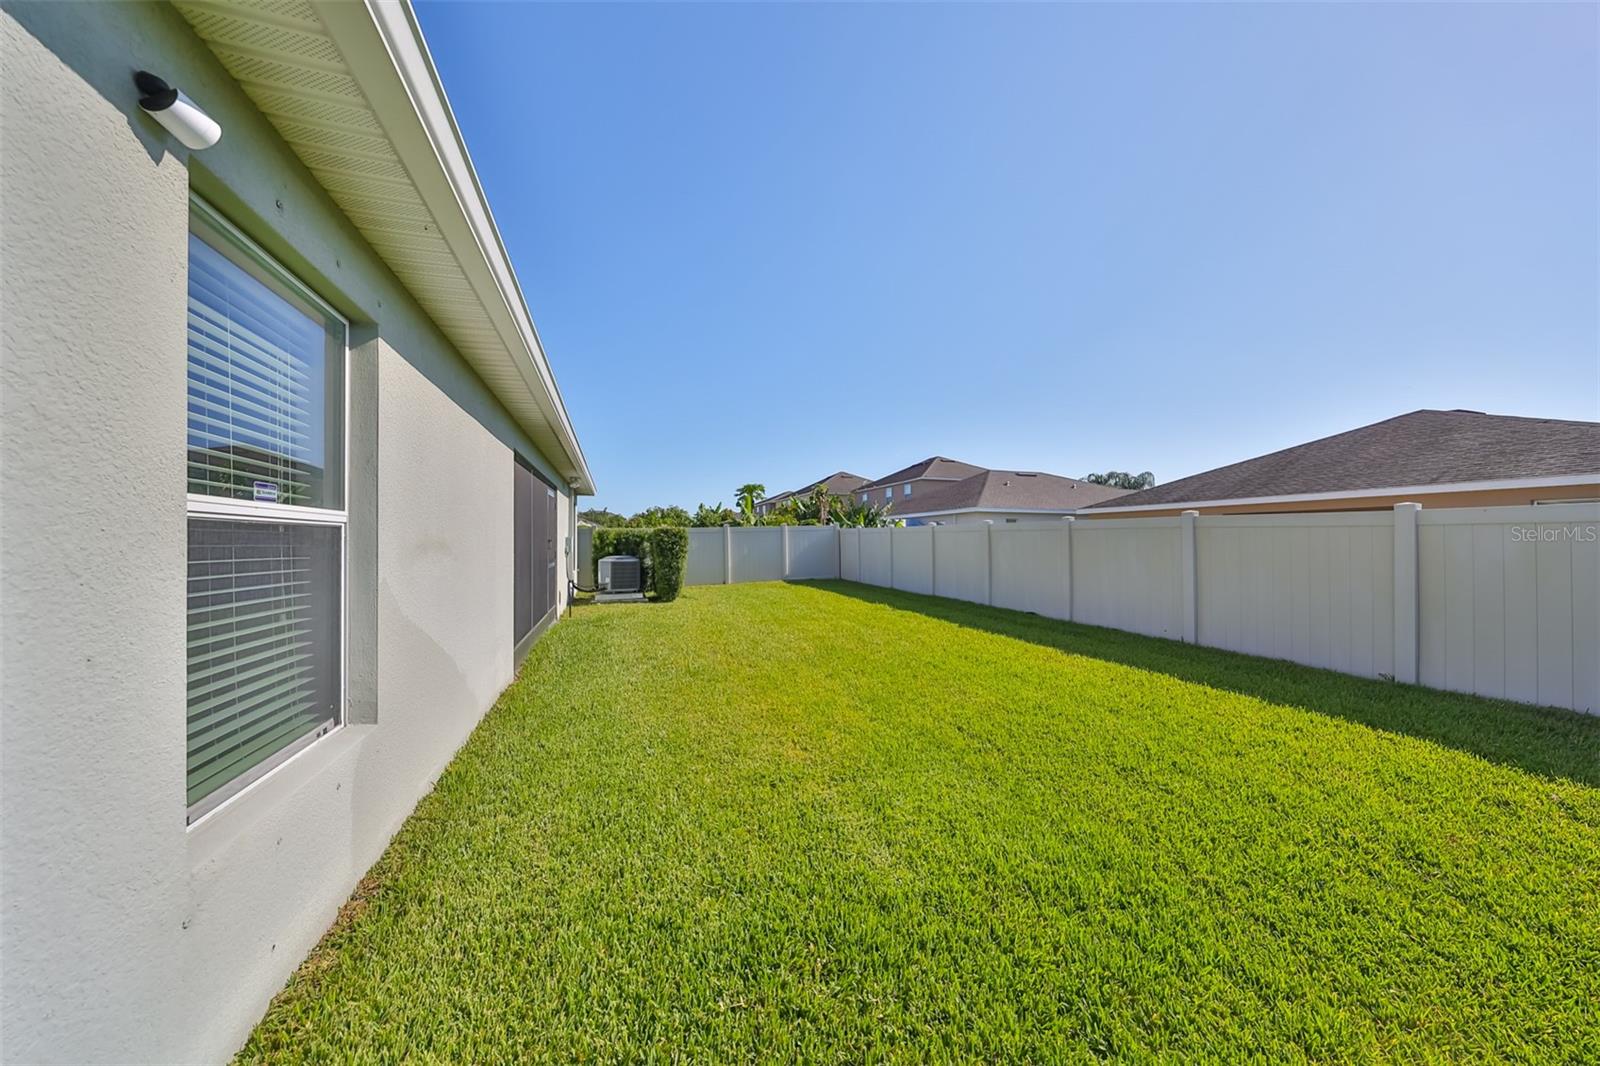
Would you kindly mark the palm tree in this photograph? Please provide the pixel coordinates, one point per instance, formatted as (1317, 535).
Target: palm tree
(748, 496)
(824, 503)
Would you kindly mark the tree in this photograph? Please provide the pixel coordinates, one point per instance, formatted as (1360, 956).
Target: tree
(660, 516)
(868, 515)
(714, 516)
(823, 502)
(599, 516)
(748, 495)
(1118, 479)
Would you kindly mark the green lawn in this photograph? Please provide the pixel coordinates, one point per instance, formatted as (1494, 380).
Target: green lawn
(828, 822)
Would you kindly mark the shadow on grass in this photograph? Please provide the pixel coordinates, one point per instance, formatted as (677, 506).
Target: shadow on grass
(1552, 742)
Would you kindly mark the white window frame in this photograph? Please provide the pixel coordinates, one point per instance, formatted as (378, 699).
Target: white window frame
(218, 507)
(905, 489)
(888, 493)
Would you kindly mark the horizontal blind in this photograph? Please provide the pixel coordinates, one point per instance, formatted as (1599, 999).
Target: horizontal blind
(263, 644)
(258, 369)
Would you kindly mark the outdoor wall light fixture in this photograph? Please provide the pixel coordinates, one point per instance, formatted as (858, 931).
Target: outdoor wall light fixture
(180, 115)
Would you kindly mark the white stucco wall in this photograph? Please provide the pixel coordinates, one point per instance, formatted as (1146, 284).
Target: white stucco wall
(445, 561)
(92, 567)
(124, 934)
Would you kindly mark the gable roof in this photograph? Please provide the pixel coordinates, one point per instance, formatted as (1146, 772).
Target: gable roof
(1410, 451)
(936, 466)
(839, 483)
(1006, 490)
(353, 91)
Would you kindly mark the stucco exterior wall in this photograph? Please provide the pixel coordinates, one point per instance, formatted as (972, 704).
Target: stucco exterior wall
(93, 225)
(124, 934)
(1481, 498)
(445, 563)
(958, 518)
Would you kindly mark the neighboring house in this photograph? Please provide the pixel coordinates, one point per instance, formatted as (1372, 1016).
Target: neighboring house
(1435, 458)
(901, 486)
(842, 483)
(288, 492)
(1001, 496)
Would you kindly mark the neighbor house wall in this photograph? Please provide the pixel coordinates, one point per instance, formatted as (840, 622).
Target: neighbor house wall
(125, 934)
(965, 518)
(1429, 500)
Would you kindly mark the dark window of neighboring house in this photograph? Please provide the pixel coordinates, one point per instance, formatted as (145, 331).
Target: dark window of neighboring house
(266, 513)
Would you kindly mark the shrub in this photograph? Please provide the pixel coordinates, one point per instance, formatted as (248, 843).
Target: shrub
(663, 552)
(669, 558)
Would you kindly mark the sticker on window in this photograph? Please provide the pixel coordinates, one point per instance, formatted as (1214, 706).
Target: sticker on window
(266, 492)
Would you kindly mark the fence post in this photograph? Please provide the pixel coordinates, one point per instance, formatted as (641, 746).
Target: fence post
(727, 555)
(988, 558)
(785, 552)
(1066, 551)
(1405, 592)
(1191, 614)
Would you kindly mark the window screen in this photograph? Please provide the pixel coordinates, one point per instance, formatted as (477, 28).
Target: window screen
(263, 628)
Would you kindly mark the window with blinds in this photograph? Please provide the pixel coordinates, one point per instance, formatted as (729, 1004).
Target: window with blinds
(263, 644)
(266, 519)
(263, 367)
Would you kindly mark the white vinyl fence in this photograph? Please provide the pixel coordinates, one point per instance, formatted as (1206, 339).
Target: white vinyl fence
(1500, 601)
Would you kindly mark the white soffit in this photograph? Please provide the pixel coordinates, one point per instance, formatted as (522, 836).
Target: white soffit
(351, 88)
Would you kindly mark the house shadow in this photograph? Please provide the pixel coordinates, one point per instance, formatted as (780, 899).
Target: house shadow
(1548, 741)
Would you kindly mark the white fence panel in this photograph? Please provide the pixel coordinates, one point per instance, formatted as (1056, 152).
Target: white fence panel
(813, 552)
(1507, 599)
(758, 554)
(912, 551)
(877, 555)
(1313, 588)
(1030, 568)
(961, 561)
(705, 566)
(850, 554)
(1127, 573)
(1509, 602)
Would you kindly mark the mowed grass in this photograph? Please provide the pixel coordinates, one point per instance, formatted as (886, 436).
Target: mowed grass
(830, 823)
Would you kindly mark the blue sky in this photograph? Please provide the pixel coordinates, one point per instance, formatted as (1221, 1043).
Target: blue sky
(767, 242)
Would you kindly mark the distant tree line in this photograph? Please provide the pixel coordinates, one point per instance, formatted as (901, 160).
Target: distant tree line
(1119, 479)
(819, 507)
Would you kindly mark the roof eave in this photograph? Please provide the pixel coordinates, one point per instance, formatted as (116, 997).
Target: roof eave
(383, 46)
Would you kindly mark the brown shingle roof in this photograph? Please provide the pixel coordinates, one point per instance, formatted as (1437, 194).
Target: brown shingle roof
(1420, 448)
(1005, 490)
(840, 483)
(936, 466)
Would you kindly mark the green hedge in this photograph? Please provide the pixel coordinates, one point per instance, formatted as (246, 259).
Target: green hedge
(669, 558)
(662, 550)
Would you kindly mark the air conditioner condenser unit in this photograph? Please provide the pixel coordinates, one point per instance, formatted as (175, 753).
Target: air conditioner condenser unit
(621, 577)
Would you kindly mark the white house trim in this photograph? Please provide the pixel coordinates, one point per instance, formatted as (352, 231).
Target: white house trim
(1357, 494)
